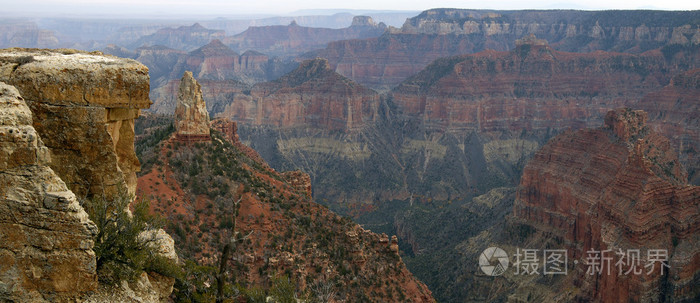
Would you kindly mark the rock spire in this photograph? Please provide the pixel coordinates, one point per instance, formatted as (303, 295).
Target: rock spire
(191, 116)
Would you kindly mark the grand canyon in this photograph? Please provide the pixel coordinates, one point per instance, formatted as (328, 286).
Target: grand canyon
(361, 156)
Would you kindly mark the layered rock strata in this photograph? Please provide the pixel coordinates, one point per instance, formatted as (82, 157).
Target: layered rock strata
(620, 187)
(384, 62)
(45, 236)
(532, 87)
(191, 116)
(84, 106)
(312, 95)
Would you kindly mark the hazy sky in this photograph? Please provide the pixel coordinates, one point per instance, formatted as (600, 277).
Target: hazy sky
(236, 7)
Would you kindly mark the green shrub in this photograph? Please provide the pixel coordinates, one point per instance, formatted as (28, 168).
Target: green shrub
(120, 253)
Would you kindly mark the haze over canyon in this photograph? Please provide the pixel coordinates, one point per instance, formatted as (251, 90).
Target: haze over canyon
(351, 156)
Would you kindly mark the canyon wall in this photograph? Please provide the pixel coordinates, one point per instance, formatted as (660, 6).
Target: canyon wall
(531, 87)
(222, 73)
(616, 187)
(26, 33)
(383, 62)
(535, 87)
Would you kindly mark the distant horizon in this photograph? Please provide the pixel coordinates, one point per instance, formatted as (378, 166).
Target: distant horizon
(173, 9)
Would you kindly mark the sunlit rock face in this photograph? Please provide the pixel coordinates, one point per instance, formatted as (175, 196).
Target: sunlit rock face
(191, 116)
(84, 106)
(45, 236)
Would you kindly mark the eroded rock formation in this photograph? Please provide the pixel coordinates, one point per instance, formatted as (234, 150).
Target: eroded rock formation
(617, 187)
(312, 95)
(84, 106)
(191, 116)
(45, 236)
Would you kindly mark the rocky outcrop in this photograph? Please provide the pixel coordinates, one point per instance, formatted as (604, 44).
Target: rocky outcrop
(312, 95)
(185, 38)
(84, 106)
(191, 116)
(531, 87)
(45, 236)
(383, 62)
(616, 187)
(292, 40)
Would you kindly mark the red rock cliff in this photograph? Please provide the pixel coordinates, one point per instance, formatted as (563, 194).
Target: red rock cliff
(311, 95)
(616, 187)
(531, 87)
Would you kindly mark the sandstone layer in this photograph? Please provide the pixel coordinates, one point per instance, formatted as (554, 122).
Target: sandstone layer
(46, 238)
(310, 96)
(616, 187)
(191, 116)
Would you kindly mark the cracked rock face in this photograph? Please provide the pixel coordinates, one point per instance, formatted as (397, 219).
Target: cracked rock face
(84, 106)
(45, 236)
